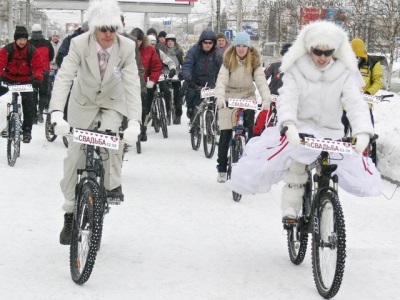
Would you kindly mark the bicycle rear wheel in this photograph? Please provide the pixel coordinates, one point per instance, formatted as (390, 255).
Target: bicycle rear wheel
(209, 136)
(48, 131)
(195, 132)
(163, 117)
(328, 245)
(13, 139)
(297, 240)
(236, 153)
(86, 232)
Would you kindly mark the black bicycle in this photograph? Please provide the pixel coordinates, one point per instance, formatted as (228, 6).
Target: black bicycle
(239, 135)
(321, 216)
(91, 202)
(158, 113)
(169, 81)
(13, 131)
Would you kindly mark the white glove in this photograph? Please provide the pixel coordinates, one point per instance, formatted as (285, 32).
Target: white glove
(221, 103)
(150, 84)
(361, 142)
(265, 106)
(131, 133)
(62, 127)
(292, 134)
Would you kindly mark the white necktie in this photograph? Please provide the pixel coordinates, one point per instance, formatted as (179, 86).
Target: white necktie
(103, 59)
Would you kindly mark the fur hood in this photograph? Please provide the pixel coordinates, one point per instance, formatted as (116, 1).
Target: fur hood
(321, 33)
(104, 13)
(255, 57)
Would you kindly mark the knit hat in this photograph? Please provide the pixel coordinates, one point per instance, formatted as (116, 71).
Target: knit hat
(152, 39)
(321, 33)
(151, 31)
(36, 28)
(104, 13)
(242, 38)
(20, 32)
(162, 34)
(359, 48)
(138, 33)
(221, 36)
(55, 32)
(285, 48)
(171, 36)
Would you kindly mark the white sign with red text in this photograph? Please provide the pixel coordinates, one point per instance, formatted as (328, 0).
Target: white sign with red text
(21, 88)
(207, 93)
(243, 103)
(328, 145)
(96, 139)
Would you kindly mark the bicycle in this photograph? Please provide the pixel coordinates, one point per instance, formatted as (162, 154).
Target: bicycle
(158, 112)
(172, 115)
(239, 135)
(91, 204)
(321, 216)
(204, 123)
(14, 122)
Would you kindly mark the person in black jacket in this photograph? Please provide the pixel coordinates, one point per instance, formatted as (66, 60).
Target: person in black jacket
(273, 72)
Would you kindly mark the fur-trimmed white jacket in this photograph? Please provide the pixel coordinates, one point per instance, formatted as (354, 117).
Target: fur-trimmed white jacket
(312, 97)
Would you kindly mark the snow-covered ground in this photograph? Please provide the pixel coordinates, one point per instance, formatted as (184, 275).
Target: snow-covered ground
(179, 234)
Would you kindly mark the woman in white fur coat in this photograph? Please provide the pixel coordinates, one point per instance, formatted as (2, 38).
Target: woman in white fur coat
(320, 80)
(241, 68)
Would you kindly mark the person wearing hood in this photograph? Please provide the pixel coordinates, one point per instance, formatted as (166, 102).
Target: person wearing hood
(102, 65)
(47, 53)
(241, 68)
(200, 68)
(320, 78)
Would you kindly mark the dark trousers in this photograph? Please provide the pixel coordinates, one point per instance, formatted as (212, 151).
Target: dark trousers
(225, 137)
(28, 107)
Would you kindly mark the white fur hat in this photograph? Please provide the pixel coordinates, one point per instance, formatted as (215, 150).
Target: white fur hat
(321, 33)
(104, 13)
(36, 28)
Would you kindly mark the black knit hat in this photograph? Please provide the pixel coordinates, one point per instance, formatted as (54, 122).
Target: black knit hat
(162, 34)
(151, 31)
(20, 32)
(138, 33)
(285, 48)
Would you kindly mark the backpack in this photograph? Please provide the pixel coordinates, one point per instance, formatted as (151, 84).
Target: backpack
(10, 52)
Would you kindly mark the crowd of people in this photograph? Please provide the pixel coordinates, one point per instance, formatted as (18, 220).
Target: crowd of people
(107, 74)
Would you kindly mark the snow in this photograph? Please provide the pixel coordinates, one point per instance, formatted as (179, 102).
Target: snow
(179, 234)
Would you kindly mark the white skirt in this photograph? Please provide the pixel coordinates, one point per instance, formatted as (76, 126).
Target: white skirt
(266, 158)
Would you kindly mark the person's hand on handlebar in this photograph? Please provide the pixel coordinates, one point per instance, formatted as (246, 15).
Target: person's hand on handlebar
(220, 103)
(131, 133)
(292, 134)
(171, 73)
(61, 127)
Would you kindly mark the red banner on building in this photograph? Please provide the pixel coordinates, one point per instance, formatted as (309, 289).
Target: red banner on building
(308, 14)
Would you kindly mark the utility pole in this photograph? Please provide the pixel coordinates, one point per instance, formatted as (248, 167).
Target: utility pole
(10, 21)
(218, 15)
(212, 15)
(28, 13)
(239, 16)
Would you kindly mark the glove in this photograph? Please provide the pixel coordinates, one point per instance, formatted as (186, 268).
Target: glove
(292, 134)
(131, 133)
(220, 103)
(36, 83)
(172, 73)
(61, 126)
(265, 106)
(361, 142)
(150, 84)
(180, 76)
(191, 84)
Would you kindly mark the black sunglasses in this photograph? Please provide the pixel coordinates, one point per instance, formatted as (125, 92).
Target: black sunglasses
(318, 52)
(207, 43)
(108, 28)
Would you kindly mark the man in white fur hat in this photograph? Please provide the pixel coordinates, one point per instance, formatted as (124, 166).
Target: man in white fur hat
(104, 94)
(321, 77)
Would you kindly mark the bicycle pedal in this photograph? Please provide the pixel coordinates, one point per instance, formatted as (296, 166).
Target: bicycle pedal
(289, 221)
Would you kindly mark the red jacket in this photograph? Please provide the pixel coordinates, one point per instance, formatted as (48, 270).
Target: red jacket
(18, 69)
(151, 63)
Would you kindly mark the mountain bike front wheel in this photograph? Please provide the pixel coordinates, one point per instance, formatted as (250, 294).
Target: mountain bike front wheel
(210, 132)
(195, 132)
(163, 117)
(13, 139)
(87, 227)
(328, 244)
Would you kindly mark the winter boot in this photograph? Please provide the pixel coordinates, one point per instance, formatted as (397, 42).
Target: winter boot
(292, 192)
(65, 235)
(222, 177)
(177, 120)
(40, 117)
(143, 135)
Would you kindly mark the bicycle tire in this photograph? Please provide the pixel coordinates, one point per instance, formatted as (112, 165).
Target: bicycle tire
(328, 244)
(163, 118)
(14, 139)
(49, 133)
(156, 122)
(237, 151)
(86, 232)
(297, 248)
(209, 136)
(195, 132)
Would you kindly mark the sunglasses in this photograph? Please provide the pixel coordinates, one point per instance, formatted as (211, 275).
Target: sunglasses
(207, 43)
(318, 52)
(108, 28)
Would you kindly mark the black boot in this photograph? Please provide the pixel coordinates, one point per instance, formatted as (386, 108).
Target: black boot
(65, 235)
(143, 135)
(40, 117)
(177, 120)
